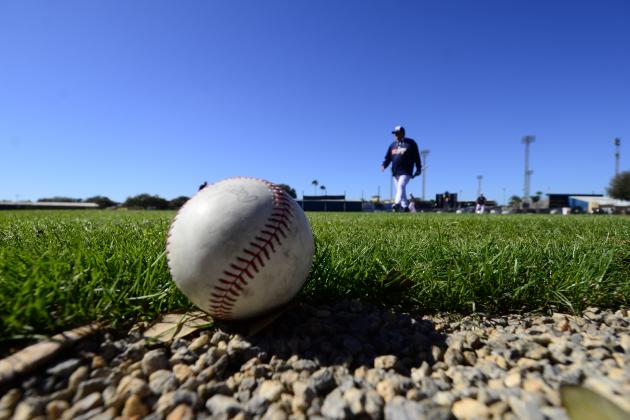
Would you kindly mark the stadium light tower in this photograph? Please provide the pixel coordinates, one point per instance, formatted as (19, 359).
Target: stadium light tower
(424, 154)
(479, 178)
(617, 154)
(527, 140)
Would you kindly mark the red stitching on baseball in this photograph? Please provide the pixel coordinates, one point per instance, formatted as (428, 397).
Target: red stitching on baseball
(224, 297)
(235, 277)
(255, 255)
(279, 229)
(260, 248)
(252, 263)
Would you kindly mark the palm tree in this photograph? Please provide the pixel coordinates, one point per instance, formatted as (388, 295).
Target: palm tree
(315, 183)
(515, 201)
(323, 188)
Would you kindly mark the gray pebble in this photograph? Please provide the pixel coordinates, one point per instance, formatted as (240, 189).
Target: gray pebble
(401, 409)
(370, 364)
(256, 406)
(219, 336)
(304, 364)
(335, 406)
(238, 347)
(208, 390)
(222, 405)
(80, 374)
(90, 386)
(134, 351)
(275, 411)
(527, 409)
(95, 413)
(154, 360)
(65, 368)
(171, 400)
(373, 404)
(163, 381)
(84, 405)
(29, 408)
(322, 381)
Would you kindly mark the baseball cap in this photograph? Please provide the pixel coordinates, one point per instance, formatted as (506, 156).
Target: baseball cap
(398, 128)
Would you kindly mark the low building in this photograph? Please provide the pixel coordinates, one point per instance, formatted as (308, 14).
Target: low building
(558, 201)
(591, 204)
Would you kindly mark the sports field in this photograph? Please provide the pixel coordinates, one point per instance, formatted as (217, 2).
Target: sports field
(64, 268)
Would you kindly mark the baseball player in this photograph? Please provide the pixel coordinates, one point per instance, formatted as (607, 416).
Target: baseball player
(481, 204)
(403, 155)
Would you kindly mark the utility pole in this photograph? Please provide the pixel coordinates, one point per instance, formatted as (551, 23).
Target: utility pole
(479, 178)
(617, 154)
(423, 154)
(527, 140)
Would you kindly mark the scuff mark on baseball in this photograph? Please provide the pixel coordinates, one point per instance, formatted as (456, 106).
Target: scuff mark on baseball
(240, 247)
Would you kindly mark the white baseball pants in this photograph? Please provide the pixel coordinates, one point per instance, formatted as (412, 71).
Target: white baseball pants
(401, 190)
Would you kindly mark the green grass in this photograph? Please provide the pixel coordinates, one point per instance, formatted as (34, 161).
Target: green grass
(64, 268)
(473, 263)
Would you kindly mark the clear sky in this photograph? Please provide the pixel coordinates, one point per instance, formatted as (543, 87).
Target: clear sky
(119, 98)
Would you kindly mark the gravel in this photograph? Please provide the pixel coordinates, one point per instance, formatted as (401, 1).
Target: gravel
(338, 361)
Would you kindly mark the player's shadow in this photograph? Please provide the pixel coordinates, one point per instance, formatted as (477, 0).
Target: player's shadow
(349, 333)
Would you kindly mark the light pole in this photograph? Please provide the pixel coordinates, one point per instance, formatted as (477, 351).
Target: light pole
(424, 154)
(479, 178)
(617, 154)
(527, 140)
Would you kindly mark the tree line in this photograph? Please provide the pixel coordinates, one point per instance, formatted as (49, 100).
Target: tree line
(142, 201)
(619, 188)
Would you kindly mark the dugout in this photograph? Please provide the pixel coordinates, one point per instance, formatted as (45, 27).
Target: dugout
(329, 203)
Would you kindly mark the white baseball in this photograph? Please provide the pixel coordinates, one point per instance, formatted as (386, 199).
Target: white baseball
(240, 247)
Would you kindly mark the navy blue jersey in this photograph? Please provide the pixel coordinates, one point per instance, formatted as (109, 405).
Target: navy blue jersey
(403, 155)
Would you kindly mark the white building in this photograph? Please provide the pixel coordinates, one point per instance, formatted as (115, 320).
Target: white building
(595, 204)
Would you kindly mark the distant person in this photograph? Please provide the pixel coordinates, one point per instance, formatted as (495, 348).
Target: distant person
(447, 200)
(204, 185)
(412, 203)
(403, 155)
(481, 204)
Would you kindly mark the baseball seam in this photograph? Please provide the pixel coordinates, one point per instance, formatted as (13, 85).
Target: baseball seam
(244, 267)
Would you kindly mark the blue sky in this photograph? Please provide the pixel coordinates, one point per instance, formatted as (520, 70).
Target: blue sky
(118, 98)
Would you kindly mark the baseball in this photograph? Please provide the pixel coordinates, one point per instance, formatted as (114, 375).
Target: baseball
(240, 247)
